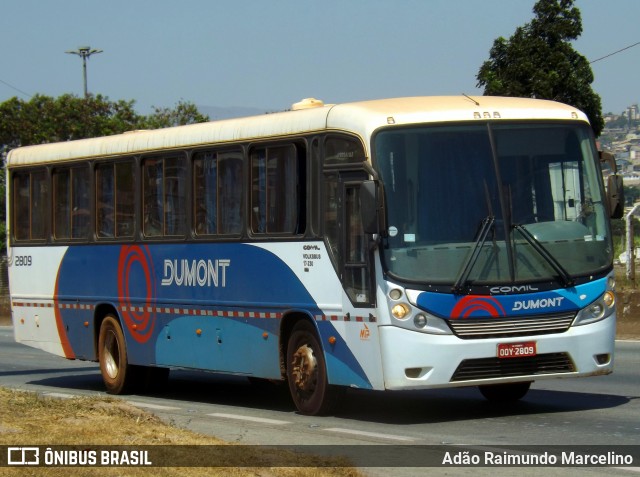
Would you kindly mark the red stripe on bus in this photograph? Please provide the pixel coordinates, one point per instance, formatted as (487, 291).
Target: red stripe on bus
(62, 332)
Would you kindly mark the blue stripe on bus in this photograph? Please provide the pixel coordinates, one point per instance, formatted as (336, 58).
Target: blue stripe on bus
(480, 306)
(204, 306)
(342, 366)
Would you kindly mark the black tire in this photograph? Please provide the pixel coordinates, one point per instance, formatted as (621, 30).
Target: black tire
(307, 372)
(117, 373)
(508, 392)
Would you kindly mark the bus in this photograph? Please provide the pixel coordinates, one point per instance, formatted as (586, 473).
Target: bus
(394, 244)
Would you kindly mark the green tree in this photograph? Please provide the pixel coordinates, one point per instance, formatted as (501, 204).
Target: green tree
(538, 61)
(631, 195)
(183, 113)
(44, 119)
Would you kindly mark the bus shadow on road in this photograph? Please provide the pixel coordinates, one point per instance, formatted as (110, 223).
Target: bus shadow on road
(460, 404)
(391, 407)
(188, 386)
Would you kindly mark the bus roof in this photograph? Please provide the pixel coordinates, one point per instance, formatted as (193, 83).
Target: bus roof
(362, 118)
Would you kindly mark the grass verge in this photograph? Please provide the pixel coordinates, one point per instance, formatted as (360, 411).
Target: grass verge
(27, 418)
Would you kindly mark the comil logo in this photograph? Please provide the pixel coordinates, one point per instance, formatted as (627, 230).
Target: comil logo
(23, 456)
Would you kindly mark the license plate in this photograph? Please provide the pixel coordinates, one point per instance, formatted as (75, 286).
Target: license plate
(516, 350)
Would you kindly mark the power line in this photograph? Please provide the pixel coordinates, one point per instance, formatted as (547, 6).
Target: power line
(615, 52)
(17, 89)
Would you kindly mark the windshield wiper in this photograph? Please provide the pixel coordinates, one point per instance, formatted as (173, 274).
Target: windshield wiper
(469, 263)
(566, 279)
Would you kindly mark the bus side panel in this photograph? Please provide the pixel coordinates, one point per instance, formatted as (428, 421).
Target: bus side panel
(354, 359)
(207, 306)
(32, 281)
(228, 344)
(343, 367)
(196, 295)
(212, 306)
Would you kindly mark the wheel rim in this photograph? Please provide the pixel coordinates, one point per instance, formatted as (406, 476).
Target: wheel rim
(111, 355)
(305, 369)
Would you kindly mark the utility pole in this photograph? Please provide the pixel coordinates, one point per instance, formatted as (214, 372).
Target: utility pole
(84, 52)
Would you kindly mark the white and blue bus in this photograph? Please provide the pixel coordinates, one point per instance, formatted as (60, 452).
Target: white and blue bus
(394, 244)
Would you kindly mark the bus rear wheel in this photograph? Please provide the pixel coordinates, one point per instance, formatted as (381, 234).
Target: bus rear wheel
(307, 372)
(117, 373)
(507, 392)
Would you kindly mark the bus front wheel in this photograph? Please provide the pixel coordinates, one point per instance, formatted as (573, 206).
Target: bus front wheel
(507, 392)
(307, 372)
(117, 373)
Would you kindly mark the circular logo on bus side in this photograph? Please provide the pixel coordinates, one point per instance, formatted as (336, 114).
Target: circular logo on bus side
(481, 306)
(136, 290)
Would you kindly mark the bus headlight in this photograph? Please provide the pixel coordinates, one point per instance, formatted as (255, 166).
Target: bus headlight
(395, 294)
(598, 310)
(431, 324)
(420, 320)
(400, 311)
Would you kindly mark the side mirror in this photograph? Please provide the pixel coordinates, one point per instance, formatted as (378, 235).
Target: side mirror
(615, 196)
(609, 159)
(372, 207)
(615, 188)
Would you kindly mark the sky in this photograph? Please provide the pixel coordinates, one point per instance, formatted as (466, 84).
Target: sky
(268, 54)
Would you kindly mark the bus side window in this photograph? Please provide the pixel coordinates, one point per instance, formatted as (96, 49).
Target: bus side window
(39, 204)
(205, 185)
(62, 204)
(152, 189)
(230, 192)
(21, 206)
(175, 218)
(71, 198)
(218, 192)
(29, 205)
(331, 213)
(114, 200)
(356, 274)
(275, 183)
(164, 197)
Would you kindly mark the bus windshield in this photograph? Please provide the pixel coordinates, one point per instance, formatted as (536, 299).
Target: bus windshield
(492, 203)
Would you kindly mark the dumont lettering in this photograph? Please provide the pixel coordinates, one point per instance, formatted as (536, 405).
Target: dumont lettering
(535, 304)
(195, 273)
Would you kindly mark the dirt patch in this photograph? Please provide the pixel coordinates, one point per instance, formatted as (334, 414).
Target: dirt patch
(628, 315)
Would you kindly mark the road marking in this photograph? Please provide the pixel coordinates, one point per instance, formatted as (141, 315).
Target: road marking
(239, 417)
(61, 395)
(153, 406)
(369, 434)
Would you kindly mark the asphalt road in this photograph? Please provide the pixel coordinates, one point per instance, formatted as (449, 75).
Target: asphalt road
(595, 411)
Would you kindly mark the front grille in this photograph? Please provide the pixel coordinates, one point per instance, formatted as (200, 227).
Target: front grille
(476, 328)
(487, 368)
